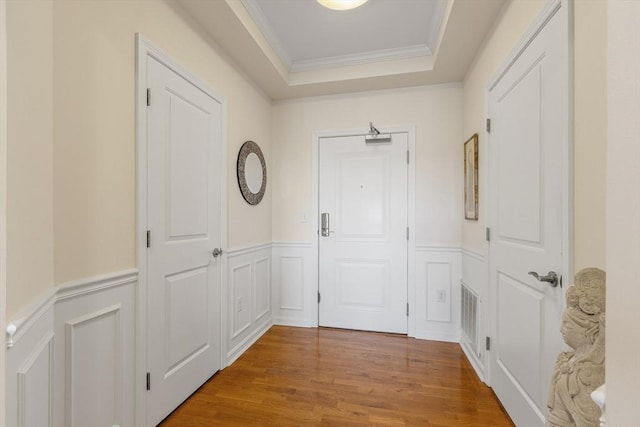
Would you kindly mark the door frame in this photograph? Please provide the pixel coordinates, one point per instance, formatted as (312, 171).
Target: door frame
(410, 130)
(564, 9)
(145, 49)
(3, 204)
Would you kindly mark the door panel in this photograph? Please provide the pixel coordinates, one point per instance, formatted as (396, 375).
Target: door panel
(362, 199)
(184, 199)
(365, 285)
(519, 178)
(525, 175)
(519, 319)
(363, 261)
(186, 314)
(188, 159)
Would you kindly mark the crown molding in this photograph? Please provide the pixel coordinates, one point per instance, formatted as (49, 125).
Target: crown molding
(267, 31)
(361, 58)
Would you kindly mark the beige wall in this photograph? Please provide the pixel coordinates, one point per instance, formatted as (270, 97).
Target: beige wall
(514, 21)
(589, 124)
(94, 157)
(590, 132)
(71, 133)
(92, 127)
(623, 213)
(29, 151)
(435, 111)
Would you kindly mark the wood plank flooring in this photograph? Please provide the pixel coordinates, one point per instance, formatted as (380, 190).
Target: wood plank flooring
(332, 377)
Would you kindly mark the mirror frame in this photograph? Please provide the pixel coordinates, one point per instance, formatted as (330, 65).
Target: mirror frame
(247, 148)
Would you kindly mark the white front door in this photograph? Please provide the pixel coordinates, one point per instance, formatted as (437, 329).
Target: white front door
(526, 231)
(184, 198)
(363, 256)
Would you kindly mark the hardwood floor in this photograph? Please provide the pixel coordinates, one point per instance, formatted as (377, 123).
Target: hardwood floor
(332, 377)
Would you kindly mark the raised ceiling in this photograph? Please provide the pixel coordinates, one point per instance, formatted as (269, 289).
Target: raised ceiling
(296, 48)
(309, 36)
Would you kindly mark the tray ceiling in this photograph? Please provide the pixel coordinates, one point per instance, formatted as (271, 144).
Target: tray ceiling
(308, 36)
(295, 48)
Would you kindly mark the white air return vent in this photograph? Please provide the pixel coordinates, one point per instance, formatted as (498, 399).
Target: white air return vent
(470, 318)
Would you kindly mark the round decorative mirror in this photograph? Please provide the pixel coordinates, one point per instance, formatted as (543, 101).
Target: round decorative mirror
(252, 172)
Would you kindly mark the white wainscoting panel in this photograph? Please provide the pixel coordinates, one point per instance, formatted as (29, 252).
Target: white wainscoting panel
(94, 340)
(439, 288)
(475, 277)
(436, 308)
(29, 379)
(35, 387)
(249, 293)
(474, 272)
(295, 287)
(262, 294)
(292, 288)
(72, 362)
(95, 352)
(240, 295)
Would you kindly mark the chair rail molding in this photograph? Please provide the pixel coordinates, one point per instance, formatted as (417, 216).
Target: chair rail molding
(29, 315)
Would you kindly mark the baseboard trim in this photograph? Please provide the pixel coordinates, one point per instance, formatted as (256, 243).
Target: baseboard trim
(283, 321)
(246, 343)
(473, 360)
(432, 248)
(437, 336)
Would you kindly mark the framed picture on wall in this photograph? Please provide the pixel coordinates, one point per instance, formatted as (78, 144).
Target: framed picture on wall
(471, 178)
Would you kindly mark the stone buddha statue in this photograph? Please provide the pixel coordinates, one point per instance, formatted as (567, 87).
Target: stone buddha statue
(577, 373)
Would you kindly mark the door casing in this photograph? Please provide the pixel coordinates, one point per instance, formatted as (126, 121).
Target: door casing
(145, 49)
(3, 202)
(564, 8)
(411, 209)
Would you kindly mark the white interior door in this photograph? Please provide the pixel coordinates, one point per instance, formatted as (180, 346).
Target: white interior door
(363, 259)
(525, 174)
(184, 193)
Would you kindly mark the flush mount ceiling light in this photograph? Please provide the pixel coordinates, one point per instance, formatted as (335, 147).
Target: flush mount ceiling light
(342, 4)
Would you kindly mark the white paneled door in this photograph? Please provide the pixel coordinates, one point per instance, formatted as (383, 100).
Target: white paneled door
(363, 233)
(184, 193)
(526, 201)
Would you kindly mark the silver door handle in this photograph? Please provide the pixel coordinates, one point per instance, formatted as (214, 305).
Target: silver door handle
(551, 278)
(325, 230)
(216, 252)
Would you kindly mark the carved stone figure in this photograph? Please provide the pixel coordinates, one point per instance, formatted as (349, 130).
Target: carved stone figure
(579, 372)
